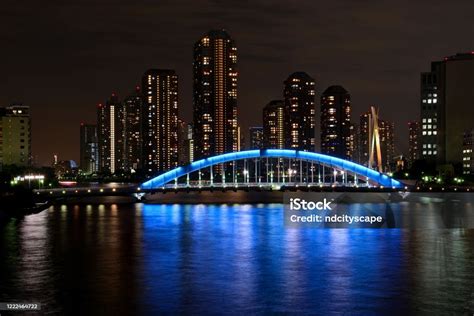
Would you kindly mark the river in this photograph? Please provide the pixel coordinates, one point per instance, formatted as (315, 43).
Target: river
(214, 259)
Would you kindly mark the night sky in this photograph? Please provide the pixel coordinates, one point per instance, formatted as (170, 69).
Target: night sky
(62, 59)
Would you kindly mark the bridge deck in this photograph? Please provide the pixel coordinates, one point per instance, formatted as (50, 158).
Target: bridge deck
(194, 186)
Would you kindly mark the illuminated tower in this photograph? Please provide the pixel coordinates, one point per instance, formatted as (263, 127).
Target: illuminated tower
(133, 111)
(160, 120)
(336, 123)
(215, 95)
(89, 160)
(299, 97)
(274, 125)
(110, 134)
(387, 143)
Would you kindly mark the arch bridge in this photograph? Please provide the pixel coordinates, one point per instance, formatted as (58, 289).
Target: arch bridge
(271, 168)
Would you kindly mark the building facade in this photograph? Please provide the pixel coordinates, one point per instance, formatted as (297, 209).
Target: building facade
(110, 135)
(15, 135)
(468, 152)
(185, 143)
(256, 137)
(446, 95)
(336, 123)
(88, 151)
(299, 94)
(387, 141)
(160, 120)
(353, 140)
(363, 138)
(133, 130)
(215, 95)
(274, 125)
(413, 141)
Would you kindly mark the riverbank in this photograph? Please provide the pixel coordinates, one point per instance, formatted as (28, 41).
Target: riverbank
(20, 202)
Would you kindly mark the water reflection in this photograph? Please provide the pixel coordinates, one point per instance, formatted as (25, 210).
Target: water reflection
(145, 259)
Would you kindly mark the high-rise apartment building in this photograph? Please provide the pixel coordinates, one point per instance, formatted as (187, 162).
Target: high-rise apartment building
(413, 141)
(299, 94)
(446, 98)
(274, 125)
(336, 123)
(468, 152)
(256, 137)
(15, 135)
(110, 134)
(185, 143)
(88, 149)
(387, 141)
(352, 140)
(160, 120)
(364, 138)
(215, 95)
(133, 130)
(240, 139)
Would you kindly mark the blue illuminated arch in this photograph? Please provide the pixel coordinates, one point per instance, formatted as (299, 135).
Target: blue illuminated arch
(329, 161)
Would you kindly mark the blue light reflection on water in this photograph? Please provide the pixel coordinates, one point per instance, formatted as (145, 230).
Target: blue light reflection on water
(202, 258)
(208, 259)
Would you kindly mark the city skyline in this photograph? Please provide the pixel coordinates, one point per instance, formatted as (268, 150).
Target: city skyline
(237, 157)
(379, 60)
